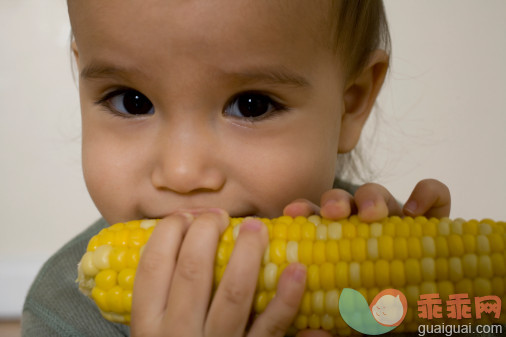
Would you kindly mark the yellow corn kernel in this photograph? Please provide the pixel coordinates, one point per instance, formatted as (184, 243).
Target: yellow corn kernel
(306, 252)
(118, 258)
(358, 249)
(372, 249)
(470, 265)
(397, 273)
(482, 244)
(349, 231)
(270, 276)
(277, 252)
(106, 279)
(321, 232)
(334, 231)
(413, 271)
(313, 277)
(293, 232)
(327, 276)
(382, 273)
(400, 248)
(342, 280)
(429, 229)
(308, 231)
(292, 251)
(126, 278)
(455, 245)
(354, 274)
(385, 247)
(367, 274)
(485, 266)
(345, 250)
(498, 264)
(332, 251)
(319, 255)
(441, 247)
(280, 231)
(469, 243)
(428, 269)
(332, 302)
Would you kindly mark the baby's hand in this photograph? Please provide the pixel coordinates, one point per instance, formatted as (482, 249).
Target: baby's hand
(173, 286)
(374, 202)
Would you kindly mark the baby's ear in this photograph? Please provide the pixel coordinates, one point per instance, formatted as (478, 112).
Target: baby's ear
(359, 97)
(75, 52)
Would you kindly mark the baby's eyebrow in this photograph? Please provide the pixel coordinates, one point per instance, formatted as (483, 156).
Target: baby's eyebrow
(98, 70)
(276, 76)
(270, 75)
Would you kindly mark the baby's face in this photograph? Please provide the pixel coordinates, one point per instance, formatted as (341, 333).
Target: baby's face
(191, 104)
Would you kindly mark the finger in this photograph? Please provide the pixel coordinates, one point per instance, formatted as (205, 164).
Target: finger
(154, 272)
(193, 275)
(301, 207)
(374, 203)
(231, 305)
(431, 198)
(281, 311)
(337, 204)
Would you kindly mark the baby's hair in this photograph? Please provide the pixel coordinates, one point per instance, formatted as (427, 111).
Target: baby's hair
(359, 27)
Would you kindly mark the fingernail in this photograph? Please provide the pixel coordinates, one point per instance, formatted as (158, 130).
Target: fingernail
(188, 216)
(251, 225)
(298, 273)
(411, 206)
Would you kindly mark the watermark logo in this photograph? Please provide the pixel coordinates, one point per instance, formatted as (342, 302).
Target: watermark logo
(386, 312)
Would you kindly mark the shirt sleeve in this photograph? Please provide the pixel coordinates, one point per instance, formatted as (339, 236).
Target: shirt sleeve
(55, 307)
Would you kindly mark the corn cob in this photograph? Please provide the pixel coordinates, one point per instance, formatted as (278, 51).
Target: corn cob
(414, 255)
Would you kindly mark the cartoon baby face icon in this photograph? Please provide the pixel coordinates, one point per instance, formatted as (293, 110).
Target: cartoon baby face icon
(389, 307)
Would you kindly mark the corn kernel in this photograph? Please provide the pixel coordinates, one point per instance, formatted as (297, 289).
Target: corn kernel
(334, 231)
(327, 276)
(372, 248)
(397, 273)
(358, 249)
(332, 251)
(332, 302)
(313, 277)
(308, 231)
(382, 273)
(277, 251)
(292, 251)
(345, 250)
(319, 255)
(126, 278)
(385, 247)
(400, 248)
(354, 272)
(414, 247)
(342, 275)
(306, 252)
(367, 274)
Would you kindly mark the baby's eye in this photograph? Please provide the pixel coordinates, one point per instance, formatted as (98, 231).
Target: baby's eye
(252, 105)
(128, 102)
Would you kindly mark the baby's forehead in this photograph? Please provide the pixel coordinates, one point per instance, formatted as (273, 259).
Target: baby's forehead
(272, 16)
(220, 31)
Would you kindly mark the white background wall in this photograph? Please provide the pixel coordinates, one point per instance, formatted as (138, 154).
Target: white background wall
(443, 115)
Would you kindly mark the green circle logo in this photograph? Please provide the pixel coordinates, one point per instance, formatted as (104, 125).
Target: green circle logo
(386, 312)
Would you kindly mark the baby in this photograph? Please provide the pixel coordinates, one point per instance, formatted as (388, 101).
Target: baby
(194, 111)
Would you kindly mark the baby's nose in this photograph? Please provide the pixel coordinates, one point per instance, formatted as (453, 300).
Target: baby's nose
(189, 164)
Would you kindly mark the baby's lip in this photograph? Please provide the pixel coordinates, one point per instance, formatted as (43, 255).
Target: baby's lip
(200, 210)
